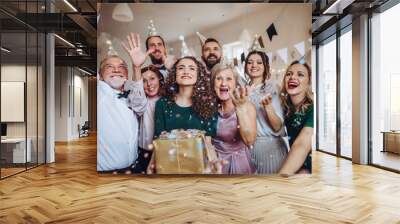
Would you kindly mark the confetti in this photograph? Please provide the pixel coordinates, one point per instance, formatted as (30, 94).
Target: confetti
(171, 151)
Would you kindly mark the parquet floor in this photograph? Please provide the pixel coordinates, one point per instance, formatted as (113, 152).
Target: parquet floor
(71, 191)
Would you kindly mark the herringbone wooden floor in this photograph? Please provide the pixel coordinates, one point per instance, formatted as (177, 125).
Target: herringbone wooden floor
(71, 191)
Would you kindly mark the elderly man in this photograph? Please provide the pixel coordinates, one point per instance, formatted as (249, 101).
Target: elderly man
(211, 53)
(117, 123)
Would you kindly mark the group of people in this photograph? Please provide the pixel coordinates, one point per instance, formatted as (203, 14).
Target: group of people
(257, 127)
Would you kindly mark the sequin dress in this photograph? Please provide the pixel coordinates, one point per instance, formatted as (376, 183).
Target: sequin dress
(271, 148)
(230, 147)
(295, 123)
(169, 116)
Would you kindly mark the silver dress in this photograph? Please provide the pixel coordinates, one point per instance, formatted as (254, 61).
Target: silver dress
(270, 149)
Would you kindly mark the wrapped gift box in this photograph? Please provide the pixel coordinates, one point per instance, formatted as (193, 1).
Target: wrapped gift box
(182, 152)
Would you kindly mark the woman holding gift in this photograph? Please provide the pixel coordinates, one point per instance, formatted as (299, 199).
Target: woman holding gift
(236, 128)
(189, 103)
(153, 82)
(297, 101)
(270, 148)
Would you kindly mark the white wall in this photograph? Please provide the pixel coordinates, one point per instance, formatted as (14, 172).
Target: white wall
(33, 126)
(70, 84)
(12, 73)
(292, 22)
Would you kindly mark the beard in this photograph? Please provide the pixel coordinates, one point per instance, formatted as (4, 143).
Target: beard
(116, 82)
(154, 60)
(210, 63)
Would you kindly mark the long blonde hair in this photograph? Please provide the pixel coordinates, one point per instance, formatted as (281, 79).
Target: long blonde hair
(308, 100)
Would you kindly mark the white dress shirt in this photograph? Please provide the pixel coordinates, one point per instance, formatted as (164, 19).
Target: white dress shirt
(117, 134)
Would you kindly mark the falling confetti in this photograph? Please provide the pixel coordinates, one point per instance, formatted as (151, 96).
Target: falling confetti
(171, 152)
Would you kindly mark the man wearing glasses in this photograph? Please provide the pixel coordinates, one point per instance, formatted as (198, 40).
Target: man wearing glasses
(117, 122)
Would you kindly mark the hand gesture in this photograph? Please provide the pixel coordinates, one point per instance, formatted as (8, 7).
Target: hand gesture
(168, 60)
(216, 166)
(239, 96)
(133, 49)
(267, 102)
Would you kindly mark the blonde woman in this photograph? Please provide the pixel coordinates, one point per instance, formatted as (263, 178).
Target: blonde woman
(236, 126)
(297, 101)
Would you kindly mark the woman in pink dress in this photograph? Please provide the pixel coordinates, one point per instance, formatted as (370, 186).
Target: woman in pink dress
(236, 127)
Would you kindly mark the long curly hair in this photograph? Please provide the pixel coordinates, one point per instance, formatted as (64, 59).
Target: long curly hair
(265, 60)
(204, 101)
(287, 104)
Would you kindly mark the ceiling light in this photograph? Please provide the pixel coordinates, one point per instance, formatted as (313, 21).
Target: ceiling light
(70, 5)
(5, 50)
(338, 6)
(65, 41)
(122, 13)
(84, 71)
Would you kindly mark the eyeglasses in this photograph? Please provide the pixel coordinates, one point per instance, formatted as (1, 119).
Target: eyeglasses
(109, 67)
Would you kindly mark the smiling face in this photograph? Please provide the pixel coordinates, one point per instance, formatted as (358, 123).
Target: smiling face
(224, 83)
(186, 72)
(114, 72)
(211, 54)
(157, 44)
(151, 83)
(255, 67)
(297, 80)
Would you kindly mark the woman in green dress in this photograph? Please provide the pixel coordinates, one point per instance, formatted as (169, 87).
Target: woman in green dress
(190, 102)
(297, 103)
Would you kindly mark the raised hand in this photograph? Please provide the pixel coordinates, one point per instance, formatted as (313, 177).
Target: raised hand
(135, 52)
(168, 60)
(239, 96)
(267, 102)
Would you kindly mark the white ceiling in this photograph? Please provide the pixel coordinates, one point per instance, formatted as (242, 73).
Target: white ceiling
(187, 18)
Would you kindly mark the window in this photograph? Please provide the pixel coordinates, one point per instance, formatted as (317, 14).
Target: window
(385, 86)
(327, 96)
(346, 94)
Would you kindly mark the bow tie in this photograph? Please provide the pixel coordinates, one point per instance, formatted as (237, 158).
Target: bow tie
(124, 94)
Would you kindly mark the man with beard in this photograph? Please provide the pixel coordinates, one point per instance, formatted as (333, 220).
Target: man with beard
(211, 53)
(117, 123)
(158, 55)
